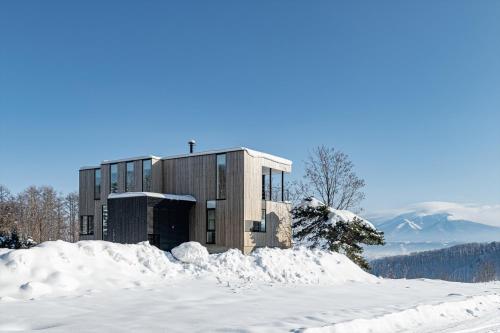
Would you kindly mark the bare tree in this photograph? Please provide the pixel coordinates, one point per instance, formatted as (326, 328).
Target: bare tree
(71, 204)
(332, 178)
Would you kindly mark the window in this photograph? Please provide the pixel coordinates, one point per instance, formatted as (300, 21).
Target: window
(113, 179)
(97, 184)
(104, 222)
(276, 185)
(129, 177)
(260, 226)
(146, 175)
(266, 184)
(210, 225)
(86, 225)
(221, 176)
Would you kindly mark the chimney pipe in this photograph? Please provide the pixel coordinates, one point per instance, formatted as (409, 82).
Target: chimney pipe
(191, 143)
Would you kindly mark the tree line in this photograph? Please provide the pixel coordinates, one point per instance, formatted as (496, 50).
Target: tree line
(36, 215)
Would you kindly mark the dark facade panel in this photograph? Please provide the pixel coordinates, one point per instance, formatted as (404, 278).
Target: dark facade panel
(127, 220)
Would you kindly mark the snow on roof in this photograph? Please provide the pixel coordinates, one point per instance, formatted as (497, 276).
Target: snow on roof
(146, 157)
(251, 152)
(152, 194)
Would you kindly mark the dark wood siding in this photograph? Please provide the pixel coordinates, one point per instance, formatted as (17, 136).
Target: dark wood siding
(127, 220)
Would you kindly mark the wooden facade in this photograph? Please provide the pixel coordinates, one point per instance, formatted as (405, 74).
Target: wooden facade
(196, 175)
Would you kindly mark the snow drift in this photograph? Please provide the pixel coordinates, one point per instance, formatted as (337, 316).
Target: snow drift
(61, 268)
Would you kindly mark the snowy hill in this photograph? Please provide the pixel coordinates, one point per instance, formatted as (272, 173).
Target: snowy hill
(463, 263)
(417, 227)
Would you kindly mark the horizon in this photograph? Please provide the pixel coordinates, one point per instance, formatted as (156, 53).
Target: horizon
(407, 92)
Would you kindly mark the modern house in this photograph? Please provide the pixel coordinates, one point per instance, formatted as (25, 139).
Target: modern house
(228, 198)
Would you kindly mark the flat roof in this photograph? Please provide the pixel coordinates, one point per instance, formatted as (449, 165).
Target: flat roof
(251, 152)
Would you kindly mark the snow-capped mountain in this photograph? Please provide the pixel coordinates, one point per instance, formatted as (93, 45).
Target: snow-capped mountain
(439, 227)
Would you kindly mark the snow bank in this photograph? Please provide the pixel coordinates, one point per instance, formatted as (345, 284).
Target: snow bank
(61, 268)
(419, 317)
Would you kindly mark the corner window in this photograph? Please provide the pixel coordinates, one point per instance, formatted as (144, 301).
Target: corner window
(260, 226)
(276, 185)
(146, 175)
(86, 225)
(221, 176)
(210, 225)
(97, 184)
(104, 222)
(129, 177)
(113, 178)
(266, 184)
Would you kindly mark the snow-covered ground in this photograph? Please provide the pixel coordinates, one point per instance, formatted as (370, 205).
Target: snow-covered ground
(100, 286)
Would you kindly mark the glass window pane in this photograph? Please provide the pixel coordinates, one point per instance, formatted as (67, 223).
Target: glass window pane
(276, 185)
(266, 184)
(113, 178)
(221, 176)
(263, 221)
(97, 184)
(146, 175)
(130, 179)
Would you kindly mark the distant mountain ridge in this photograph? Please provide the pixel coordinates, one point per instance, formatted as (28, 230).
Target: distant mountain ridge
(475, 262)
(417, 227)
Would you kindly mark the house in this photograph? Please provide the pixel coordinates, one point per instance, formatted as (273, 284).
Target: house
(228, 198)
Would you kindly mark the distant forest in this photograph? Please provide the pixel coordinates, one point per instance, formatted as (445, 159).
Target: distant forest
(37, 214)
(474, 262)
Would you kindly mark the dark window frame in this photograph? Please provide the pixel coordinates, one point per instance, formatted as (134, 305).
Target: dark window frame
(97, 193)
(217, 177)
(88, 230)
(211, 230)
(111, 178)
(151, 174)
(127, 189)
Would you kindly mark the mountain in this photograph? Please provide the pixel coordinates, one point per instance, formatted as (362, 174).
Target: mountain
(462, 263)
(440, 227)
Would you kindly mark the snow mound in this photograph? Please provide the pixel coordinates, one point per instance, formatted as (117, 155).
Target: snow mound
(61, 268)
(191, 253)
(418, 318)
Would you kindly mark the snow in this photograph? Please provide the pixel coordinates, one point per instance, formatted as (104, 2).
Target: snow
(191, 253)
(152, 194)
(97, 286)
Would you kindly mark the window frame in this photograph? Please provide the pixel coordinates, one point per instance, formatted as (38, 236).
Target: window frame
(89, 226)
(207, 224)
(132, 185)
(111, 178)
(97, 194)
(217, 176)
(151, 175)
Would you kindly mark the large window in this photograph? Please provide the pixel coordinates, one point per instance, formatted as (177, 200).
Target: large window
(113, 179)
(273, 185)
(97, 184)
(86, 225)
(104, 222)
(276, 185)
(129, 177)
(146, 175)
(221, 176)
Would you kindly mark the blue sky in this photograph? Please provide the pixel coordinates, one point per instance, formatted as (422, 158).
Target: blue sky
(410, 90)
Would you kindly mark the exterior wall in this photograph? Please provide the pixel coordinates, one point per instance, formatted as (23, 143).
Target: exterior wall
(87, 204)
(196, 175)
(278, 218)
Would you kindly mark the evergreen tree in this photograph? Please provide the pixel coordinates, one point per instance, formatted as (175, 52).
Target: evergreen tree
(312, 225)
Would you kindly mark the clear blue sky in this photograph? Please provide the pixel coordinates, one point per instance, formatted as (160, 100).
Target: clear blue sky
(409, 89)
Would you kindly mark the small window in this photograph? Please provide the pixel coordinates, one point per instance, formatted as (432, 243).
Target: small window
(129, 177)
(276, 185)
(221, 176)
(210, 226)
(104, 222)
(97, 184)
(146, 175)
(113, 179)
(86, 225)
